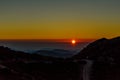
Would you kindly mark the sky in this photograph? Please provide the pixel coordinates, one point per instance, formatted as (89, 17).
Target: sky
(59, 19)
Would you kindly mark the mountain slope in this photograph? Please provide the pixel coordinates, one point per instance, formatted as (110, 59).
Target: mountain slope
(101, 48)
(105, 54)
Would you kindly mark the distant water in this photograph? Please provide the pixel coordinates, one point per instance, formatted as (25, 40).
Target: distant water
(34, 45)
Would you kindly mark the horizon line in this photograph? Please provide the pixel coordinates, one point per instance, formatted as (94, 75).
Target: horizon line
(52, 40)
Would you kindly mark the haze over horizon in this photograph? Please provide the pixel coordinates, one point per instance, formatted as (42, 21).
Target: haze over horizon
(59, 19)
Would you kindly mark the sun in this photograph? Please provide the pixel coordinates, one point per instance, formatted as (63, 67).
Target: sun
(73, 41)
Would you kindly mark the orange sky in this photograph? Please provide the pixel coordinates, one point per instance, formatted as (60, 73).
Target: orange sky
(59, 30)
(59, 19)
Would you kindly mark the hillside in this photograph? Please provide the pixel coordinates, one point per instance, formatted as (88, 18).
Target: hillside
(105, 55)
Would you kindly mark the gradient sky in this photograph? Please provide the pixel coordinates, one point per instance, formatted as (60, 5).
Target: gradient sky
(59, 19)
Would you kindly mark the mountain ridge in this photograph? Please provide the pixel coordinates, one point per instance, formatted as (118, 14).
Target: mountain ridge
(103, 53)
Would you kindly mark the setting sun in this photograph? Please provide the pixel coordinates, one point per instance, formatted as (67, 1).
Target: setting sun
(73, 41)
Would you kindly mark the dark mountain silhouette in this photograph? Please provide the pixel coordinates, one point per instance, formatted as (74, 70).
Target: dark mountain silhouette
(101, 48)
(7, 54)
(100, 60)
(17, 65)
(105, 54)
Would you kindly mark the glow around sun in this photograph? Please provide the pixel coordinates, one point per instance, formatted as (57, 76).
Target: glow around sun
(73, 41)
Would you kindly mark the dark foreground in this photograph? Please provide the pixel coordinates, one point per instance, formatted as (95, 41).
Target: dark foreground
(103, 54)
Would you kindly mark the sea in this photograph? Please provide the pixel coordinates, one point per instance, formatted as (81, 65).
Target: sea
(32, 46)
